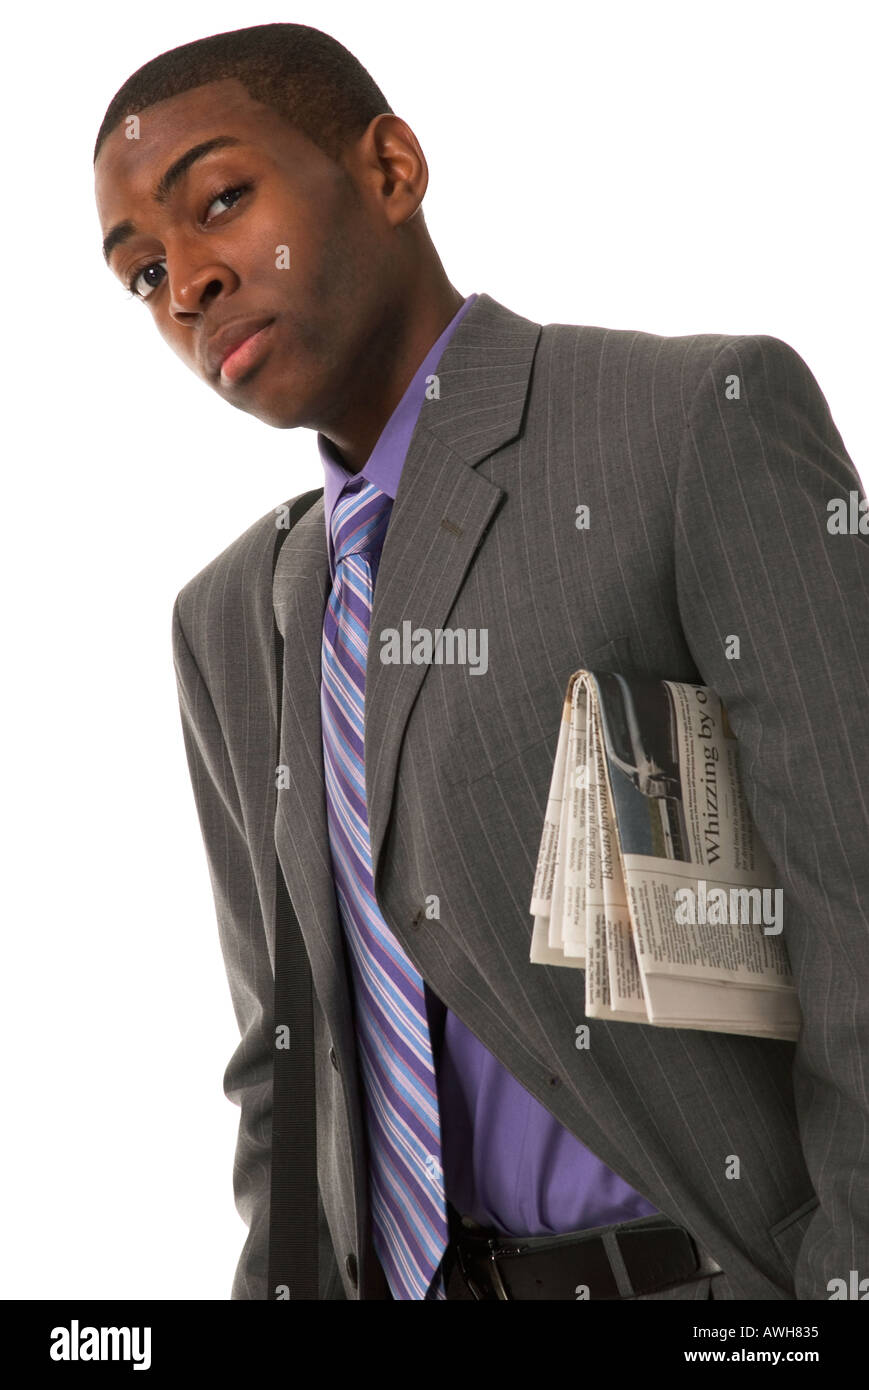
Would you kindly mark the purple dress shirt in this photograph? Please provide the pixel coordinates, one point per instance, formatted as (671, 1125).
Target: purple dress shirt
(508, 1163)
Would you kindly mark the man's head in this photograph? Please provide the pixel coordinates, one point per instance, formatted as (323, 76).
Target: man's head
(258, 183)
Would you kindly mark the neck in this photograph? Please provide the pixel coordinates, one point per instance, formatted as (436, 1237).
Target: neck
(391, 359)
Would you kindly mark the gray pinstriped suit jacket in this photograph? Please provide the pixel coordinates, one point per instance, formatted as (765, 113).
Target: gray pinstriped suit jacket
(707, 519)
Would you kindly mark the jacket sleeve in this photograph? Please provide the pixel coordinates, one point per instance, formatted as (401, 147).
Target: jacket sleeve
(756, 560)
(247, 1081)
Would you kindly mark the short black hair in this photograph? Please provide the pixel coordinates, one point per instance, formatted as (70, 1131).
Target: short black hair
(308, 77)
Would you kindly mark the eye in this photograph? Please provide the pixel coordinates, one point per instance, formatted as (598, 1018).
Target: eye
(142, 282)
(223, 197)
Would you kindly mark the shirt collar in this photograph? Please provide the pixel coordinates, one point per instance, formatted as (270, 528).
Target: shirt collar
(386, 460)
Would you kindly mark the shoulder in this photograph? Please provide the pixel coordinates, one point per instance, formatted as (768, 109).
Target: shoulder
(760, 366)
(653, 366)
(217, 606)
(638, 395)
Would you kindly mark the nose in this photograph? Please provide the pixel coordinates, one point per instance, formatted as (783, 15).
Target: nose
(193, 291)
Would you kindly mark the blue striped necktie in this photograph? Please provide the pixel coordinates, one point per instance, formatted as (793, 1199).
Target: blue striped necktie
(408, 1209)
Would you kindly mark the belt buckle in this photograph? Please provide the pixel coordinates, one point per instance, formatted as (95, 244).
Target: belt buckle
(495, 1273)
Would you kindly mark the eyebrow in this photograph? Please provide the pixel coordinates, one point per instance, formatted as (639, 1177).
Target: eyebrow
(122, 231)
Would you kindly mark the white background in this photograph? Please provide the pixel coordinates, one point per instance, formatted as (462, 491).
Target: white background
(671, 167)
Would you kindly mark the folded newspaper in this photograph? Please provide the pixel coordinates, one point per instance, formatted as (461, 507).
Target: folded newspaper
(651, 875)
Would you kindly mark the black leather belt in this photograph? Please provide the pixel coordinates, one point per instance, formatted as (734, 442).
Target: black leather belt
(605, 1262)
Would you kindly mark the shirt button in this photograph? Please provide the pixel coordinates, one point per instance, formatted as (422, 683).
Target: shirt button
(352, 1271)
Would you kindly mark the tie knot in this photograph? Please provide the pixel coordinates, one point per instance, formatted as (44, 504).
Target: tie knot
(359, 519)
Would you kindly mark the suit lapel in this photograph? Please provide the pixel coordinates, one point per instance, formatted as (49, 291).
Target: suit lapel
(441, 512)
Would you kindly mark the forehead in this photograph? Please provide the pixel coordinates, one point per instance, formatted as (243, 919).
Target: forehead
(127, 169)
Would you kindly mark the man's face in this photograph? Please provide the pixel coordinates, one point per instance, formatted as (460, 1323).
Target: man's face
(265, 265)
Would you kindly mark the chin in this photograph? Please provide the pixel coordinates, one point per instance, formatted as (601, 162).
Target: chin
(277, 413)
(277, 419)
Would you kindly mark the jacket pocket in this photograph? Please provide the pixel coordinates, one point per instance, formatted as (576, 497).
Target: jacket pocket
(787, 1235)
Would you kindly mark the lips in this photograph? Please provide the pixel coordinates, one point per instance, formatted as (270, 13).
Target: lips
(226, 341)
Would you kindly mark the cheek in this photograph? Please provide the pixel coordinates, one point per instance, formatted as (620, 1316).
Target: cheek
(275, 246)
(258, 254)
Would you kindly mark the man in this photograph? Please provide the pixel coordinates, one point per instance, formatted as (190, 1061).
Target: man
(257, 191)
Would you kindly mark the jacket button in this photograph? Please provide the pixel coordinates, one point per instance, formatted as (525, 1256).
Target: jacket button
(352, 1272)
(417, 918)
(332, 1058)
